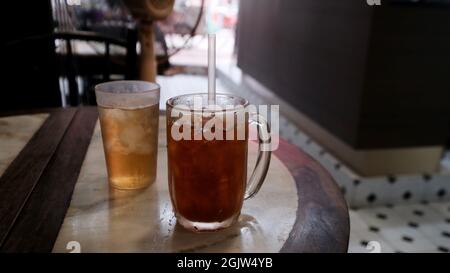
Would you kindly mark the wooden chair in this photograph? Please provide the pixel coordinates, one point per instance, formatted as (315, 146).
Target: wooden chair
(94, 68)
(34, 67)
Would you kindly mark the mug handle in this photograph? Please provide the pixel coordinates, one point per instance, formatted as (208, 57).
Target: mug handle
(264, 153)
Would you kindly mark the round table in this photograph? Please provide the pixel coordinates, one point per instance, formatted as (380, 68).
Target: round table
(56, 193)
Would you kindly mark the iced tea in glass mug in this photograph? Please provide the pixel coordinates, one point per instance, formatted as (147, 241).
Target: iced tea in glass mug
(129, 116)
(207, 174)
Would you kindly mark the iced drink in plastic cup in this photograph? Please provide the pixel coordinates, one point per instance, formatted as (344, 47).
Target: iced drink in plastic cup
(129, 116)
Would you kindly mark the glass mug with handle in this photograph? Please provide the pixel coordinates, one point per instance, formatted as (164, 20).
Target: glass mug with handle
(207, 159)
(129, 117)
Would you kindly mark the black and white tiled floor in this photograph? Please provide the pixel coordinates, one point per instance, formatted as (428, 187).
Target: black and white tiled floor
(402, 228)
(399, 214)
(373, 191)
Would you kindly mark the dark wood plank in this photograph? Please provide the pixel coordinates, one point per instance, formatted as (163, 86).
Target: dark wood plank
(38, 225)
(20, 178)
(322, 223)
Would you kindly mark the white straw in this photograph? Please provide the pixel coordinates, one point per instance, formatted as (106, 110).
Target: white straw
(211, 68)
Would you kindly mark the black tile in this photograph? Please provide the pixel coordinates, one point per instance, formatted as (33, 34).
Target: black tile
(356, 182)
(381, 216)
(418, 212)
(407, 239)
(391, 179)
(413, 224)
(446, 234)
(371, 198)
(441, 193)
(374, 229)
(407, 195)
(427, 177)
(442, 249)
(337, 166)
(364, 243)
(447, 220)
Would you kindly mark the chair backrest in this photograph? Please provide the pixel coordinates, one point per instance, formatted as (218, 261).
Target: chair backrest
(34, 67)
(73, 65)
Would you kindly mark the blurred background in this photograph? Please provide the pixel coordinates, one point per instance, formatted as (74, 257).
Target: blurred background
(364, 89)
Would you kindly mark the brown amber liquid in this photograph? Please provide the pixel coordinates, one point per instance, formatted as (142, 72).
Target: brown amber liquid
(130, 141)
(207, 179)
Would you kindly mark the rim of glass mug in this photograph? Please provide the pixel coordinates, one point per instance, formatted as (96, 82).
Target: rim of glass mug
(236, 106)
(127, 94)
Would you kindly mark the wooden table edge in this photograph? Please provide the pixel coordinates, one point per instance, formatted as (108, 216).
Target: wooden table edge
(321, 206)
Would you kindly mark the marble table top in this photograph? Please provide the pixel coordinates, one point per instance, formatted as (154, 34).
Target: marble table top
(53, 179)
(101, 219)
